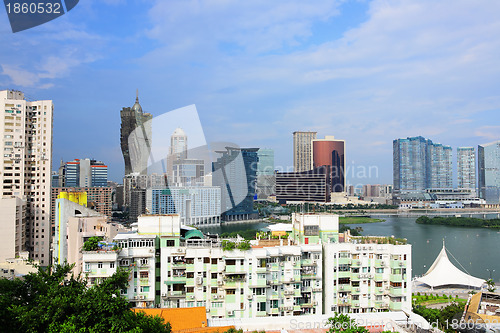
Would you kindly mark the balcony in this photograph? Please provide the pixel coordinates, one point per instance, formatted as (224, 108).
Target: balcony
(381, 304)
(308, 262)
(344, 274)
(176, 294)
(176, 280)
(274, 311)
(356, 263)
(144, 281)
(306, 289)
(261, 269)
(345, 261)
(344, 287)
(396, 306)
(398, 264)
(179, 265)
(396, 278)
(396, 291)
(258, 283)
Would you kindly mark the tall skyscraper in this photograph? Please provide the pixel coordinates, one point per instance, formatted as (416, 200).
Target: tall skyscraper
(83, 173)
(235, 172)
(420, 164)
(466, 167)
(302, 151)
(439, 164)
(489, 171)
(409, 163)
(178, 144)
(135, 138)
(266, 179)
(26, 129)
(331, 152)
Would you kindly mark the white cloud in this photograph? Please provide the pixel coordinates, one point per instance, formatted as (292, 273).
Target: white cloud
(19, 76)
(254, 26)
(488, 132)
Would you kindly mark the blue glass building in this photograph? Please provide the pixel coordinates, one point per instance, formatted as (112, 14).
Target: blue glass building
(420, 164)
(489, 172)
(235, 172)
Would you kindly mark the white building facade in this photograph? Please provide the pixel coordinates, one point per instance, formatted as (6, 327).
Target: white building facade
(175, 267)
(26, 131)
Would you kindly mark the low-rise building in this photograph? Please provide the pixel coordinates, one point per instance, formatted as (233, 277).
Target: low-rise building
(311, 272)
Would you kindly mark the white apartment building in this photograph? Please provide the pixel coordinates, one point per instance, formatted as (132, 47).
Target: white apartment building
(174, 267)
(12, 227)
(138, 255)
(26, 130)
(364, 276)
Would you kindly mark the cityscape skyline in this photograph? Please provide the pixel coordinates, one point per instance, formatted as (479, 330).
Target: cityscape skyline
(254, 84)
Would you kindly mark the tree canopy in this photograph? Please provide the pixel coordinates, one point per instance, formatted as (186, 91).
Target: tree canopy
(54, 300)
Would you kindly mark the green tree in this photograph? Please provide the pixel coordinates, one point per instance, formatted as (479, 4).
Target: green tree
(490, 285)
(54, 300)
(343, 323)
(92, 244)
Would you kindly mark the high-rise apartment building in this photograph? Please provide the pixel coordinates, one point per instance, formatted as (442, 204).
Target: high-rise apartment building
(466, 167)
(420, 164)
(235, 172)
(331, 152)
(135, 138)
(489, 172)
(440, 172)
(302, 151)
(409, 163)
(26, 129)
(83, 173)
(266, 179)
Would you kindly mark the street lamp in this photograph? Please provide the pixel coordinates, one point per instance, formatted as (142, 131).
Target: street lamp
(491, 272)
(424, 270)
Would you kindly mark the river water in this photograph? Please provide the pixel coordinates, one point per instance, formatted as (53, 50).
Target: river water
(476, 249)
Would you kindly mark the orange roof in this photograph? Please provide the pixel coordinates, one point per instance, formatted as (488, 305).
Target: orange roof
(185, 319)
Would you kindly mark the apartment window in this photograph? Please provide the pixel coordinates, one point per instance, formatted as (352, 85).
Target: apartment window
(261, 306)
(111, 265)
(99, 265)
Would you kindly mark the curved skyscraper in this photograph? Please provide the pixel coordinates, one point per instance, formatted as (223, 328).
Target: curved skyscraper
(135, 144)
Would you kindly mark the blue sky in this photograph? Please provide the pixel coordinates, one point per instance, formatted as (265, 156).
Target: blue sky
(364, 71)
